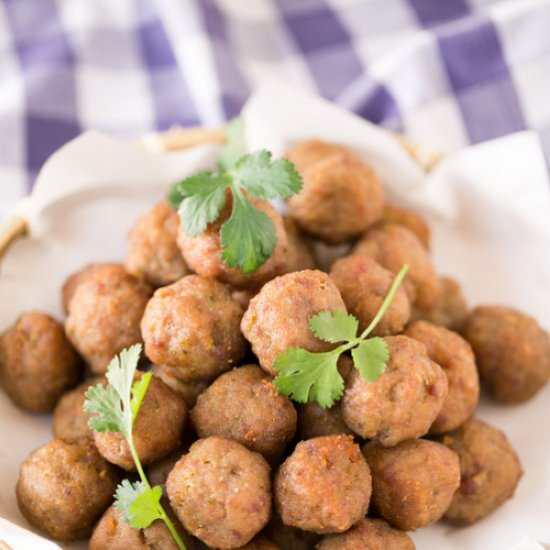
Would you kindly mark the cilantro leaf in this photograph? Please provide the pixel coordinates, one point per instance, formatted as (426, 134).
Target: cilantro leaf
(248, 237)
(266, 178)
(370, 358)
(334, 326)
(138, 504)
(104, 403)
(306, 376)
(198, 211)
(234, 147)
(139, 389)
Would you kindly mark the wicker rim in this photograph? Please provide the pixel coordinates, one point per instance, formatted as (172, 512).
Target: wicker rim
(178, 139)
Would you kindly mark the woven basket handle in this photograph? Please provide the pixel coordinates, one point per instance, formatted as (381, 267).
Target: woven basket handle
(182, 138)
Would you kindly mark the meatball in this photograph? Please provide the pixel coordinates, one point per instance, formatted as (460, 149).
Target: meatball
(489, 467)
(450, 310)
(278, 316)
(70, 420)
(310, 151)
(512, 352)
(409, 219)
(412, 483)
(159, 470)
(368, 534)
(454, 355)
(203, 253)
(157, 431)
(37, 362)
(112, 533)
(324, 486)
(341, 197)
(300, 253)
(74, 280)
(364, 284)
(153, 253)
(290, 538)
(104, 314)
(188, 391)
(64, 487)
(192, 326)
(244, 405)
(315, 421)
(393, 246)
(221, 492)
(403, 402)
(242, 296)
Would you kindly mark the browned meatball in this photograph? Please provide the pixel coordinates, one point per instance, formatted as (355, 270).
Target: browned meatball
(188, 391)
(450, 310)
(288, 537)
(278, 316)
(454, 355)
(157, 431)
(512, 352)
(393, 246)
(368, 534)
(307, 152)
(490, 471)
(64, 487)
(403, 402)
(324, 486)
(192, 326)
(70, 420)
(412, 483)
(104, 314)
(244, 405)
(410, 219)
(300, 253)
(315, 421)
(153, 253)
(242, 296)
(363, 284)
(341, 197)
(112, 533)
(221, 492)
(157, 472)
(203, 254)
(72, 282)
(37, 362)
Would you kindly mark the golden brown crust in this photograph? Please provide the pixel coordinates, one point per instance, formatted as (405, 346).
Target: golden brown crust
(489, 467)
(37, 362)
(157, 431)
(410, 219)
(393, 246)
(245, 406)
(324, 486)
(456, 358)
(64, 487)
(278, 316)
(412, 483)
(363, 284)
(403, 402)
(104, 314)
(221, 492)
(512, 352)
(300, 251)
(368, 534)
(153, 253)
(192, 326)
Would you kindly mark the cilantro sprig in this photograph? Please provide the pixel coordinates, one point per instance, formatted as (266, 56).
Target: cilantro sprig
(248, 236)
(115, 408)
(306, 376)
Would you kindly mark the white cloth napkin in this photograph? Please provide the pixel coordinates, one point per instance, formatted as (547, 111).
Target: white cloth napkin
(489, 232)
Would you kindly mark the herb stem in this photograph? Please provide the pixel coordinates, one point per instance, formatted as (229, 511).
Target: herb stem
(386, 303)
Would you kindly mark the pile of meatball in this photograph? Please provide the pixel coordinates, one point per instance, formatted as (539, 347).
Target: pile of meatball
(243, 466)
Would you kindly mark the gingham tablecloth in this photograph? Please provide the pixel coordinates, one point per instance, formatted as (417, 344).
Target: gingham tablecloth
(446, 72)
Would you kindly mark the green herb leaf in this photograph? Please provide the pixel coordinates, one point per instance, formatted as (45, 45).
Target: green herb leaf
(248, 237)
(139, 389)
(138, 504)
(234, 147)
(198, 211)
(305, 376)
(370, 358)
(104, 403)
(334, 326)
(266, 178)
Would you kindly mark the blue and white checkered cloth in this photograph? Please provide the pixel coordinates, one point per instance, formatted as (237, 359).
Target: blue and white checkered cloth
(446, 72)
